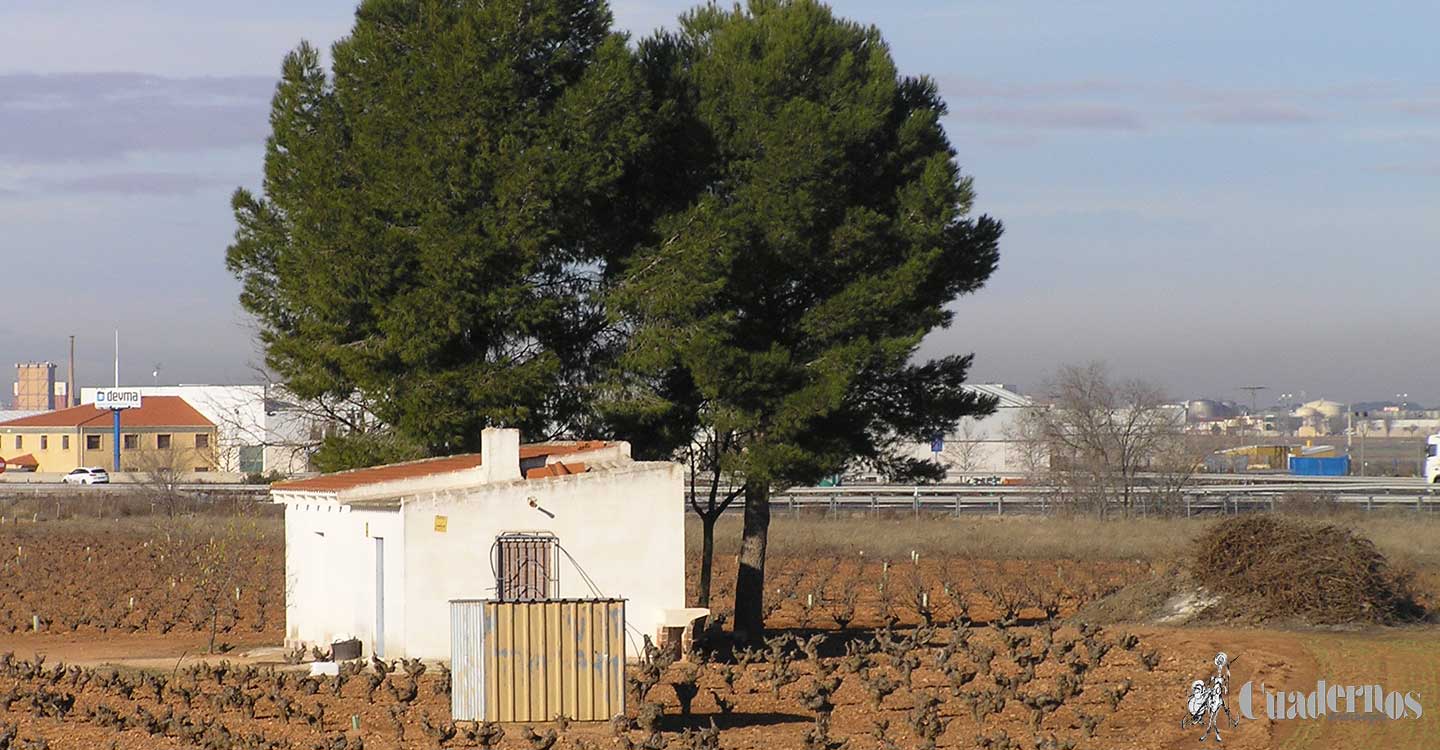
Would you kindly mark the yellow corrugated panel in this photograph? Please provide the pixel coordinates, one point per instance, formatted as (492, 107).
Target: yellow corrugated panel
(534, 661)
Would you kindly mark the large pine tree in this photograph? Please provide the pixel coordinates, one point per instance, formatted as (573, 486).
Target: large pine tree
(437, 214)
(817, 228)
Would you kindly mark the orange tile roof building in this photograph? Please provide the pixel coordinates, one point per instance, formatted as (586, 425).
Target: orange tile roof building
(378, 554)
(537, 460)
(164, 432)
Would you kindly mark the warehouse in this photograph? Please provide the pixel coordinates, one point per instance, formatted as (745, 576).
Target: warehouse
(377, 554)
(990, 446)
(164, 433)
(260, 429)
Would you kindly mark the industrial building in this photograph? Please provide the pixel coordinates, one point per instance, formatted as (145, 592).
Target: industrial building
(36, 389)
(260, 430)
(378, 554)
(165, 432)
(988, 446)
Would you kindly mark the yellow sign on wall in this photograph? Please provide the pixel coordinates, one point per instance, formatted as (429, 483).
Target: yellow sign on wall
(441, 523)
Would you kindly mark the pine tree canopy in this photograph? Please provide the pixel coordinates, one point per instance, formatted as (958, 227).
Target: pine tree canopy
(500, 212)
(814, 233)
(436, 216)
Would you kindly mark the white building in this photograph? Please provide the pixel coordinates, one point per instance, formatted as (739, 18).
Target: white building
(377, 554)
(258, 429)
(988, 446)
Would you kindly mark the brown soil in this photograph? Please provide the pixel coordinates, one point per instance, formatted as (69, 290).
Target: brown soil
(1130, 692)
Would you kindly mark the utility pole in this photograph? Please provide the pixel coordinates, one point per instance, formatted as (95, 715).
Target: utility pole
(116, 412)
(1253, 389)
(71, 398)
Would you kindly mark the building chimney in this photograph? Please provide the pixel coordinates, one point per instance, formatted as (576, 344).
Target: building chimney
(71, 398)
(500, 454)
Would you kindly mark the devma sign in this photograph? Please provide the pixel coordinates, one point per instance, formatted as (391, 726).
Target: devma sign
(117, 398)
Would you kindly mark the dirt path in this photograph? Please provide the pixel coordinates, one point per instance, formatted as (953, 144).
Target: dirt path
(136, 650)
(1407, 660)
(1275, 658)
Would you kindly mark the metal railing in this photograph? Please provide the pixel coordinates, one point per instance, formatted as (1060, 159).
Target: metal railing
(961, 500)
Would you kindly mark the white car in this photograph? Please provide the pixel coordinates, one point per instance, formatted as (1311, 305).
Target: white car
(87, 475)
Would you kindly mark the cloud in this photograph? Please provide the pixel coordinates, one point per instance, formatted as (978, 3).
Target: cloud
(1053, 117)
(1418, 106)
(139, 183)
(1115, 104)
(1252, 113)
(83, 116)
(965, 87)
(1410, 169)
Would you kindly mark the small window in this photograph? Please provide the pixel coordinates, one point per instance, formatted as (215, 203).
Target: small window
(202, 440)
(92, 442)
(65, 442)
(44, 442)
(525, 567)
(19, 442)
(130, 442)
(162, 442)
(201, 469)
(1434, 449)
(252, 459)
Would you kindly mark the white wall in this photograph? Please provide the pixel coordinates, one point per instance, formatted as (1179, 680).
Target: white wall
(330, 574)
(625, 528)
(986, 444)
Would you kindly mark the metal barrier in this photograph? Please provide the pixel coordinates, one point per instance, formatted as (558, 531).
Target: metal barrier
(535, 661)
(960, 500)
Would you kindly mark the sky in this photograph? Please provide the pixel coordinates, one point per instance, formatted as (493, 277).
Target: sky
(1204, 195)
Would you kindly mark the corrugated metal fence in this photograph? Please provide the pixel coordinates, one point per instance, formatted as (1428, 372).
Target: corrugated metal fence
(534, 661)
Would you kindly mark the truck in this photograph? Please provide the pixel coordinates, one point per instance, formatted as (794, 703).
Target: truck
(1432, 459)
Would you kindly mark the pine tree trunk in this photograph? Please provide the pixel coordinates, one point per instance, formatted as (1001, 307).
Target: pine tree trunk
(707, 557)
(750, 580)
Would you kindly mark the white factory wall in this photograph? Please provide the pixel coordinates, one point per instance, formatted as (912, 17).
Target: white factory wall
(985, 446)
(625, 528)
(330, 575)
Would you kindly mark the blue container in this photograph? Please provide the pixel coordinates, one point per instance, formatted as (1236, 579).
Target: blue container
(1309, 466)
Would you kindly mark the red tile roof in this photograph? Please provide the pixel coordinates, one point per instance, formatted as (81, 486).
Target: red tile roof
(154, 411)
(26, 459)
(425, 467)
(557, 469)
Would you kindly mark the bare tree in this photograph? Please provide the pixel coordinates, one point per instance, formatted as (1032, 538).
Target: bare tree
(713, 489)
(216, 565)
(293, 428)
(1172, 469)
(965, 454)
(1102, 434)
(1027, 447)
(163, 470)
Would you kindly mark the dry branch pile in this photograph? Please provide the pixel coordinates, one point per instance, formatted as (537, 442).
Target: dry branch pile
(1265, 567)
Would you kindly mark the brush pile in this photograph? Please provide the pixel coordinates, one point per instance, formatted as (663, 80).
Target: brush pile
(1271, 568)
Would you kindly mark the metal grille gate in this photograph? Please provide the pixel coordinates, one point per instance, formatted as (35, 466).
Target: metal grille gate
(526, 567)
